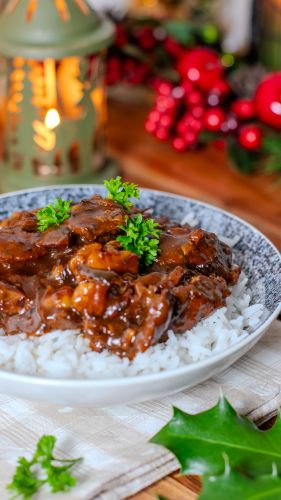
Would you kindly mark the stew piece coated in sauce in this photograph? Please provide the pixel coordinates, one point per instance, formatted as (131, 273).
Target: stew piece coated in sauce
(77, 276)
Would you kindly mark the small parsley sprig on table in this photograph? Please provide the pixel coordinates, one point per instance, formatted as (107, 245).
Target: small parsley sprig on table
(26, 480)
(121, 191)
(53, 214)
(141, 237)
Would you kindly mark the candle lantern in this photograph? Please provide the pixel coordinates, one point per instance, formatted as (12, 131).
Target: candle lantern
(54, 105)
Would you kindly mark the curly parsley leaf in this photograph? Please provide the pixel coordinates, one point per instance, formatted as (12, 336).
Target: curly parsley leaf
(141, 237)
(53, 214)
(121, 191)
(201, 441)
(26, 481)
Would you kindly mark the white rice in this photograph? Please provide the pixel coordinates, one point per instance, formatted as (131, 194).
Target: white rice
(66, 354)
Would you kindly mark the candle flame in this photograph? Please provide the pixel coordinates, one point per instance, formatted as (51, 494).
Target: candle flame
(52, 119)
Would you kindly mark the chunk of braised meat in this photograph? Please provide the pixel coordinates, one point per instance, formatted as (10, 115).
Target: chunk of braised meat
(204, 252)
(107, 257)
(56, 309)
(91, 220)
(12, 299)
(135, 317)
(22, 244)
(171, 242)
(17, 311)
(196, 300)
(195, 249)
(95, 219)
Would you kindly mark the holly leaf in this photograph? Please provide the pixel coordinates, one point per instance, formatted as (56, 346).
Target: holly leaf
(200, 441)
(272, 144)
(181, 31)
(234, 486)
(243, 160)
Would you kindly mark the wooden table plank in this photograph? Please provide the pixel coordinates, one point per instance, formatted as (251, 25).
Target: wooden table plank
(170, 488)
(206, 175)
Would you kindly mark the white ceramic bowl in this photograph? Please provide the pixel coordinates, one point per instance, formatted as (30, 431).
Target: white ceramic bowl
(259, 258)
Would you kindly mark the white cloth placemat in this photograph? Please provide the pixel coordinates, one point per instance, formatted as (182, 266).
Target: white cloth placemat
(118, 460)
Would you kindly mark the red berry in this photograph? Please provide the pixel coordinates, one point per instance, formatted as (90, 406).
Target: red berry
(150, 126)
(173, 48)
(187, 119)
(187, 86)
(178, 92)
(194, 98)
(190, 138)
(164, 104)
(244, 108)
(231, 124)
(213, 99)
(181, 127)
(154, 115)
(121, 38)
(162, 133)
(165, 88)
(196, 125)
(166, 120)
(197, 112)
(221, 87)
(145, 37)
(179, 144)
(213, 119)
(250, 137)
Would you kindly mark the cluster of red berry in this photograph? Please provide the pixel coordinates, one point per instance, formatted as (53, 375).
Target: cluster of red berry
(202, 103)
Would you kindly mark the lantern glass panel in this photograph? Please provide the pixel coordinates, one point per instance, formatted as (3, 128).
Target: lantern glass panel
(55, 118)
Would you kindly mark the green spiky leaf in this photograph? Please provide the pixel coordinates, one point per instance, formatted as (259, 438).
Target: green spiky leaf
(180, 30)
(200, 441)
(234, 486)
(243, 160)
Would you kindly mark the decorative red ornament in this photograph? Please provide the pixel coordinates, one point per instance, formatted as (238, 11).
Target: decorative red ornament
(244, 108)
(250, 137)
(201, 66)
(268, 100)
(213, 119)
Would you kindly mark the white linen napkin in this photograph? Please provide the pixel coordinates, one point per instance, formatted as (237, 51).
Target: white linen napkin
(118, 460)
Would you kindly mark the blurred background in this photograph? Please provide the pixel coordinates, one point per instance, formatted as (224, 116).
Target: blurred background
(179, 95)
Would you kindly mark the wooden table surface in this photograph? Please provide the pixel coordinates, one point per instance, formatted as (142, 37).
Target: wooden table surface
(206, 175)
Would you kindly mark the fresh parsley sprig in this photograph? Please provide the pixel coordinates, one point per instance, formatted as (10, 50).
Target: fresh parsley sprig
(121, 191)
(28, 479)
(141, 237)
(53, 214)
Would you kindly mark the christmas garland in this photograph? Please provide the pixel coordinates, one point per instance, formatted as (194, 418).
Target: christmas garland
(202, 94)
